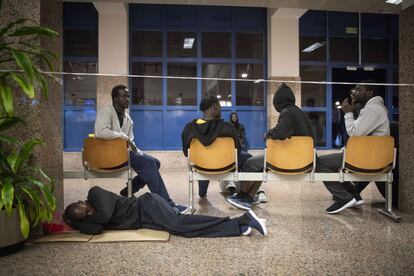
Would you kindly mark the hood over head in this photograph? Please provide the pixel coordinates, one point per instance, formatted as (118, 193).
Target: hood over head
(283, 97)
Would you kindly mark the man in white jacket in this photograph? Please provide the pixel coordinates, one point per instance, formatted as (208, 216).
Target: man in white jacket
(371, 120)
(113, 122)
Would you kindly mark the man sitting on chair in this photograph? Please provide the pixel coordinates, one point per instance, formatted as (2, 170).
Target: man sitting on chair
(207, 130)
(106, 210)
(292, 122)
(113, 122)
(371, 121)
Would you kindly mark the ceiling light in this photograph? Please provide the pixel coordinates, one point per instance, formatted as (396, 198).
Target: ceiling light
(351, 68)
(337, 103)
(338, 106)
(395, 2)
(244, 75)
(313, 47)
(188, 43)
(218, 96)
(369, 68)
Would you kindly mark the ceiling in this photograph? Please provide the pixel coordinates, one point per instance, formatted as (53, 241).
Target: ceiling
(369, 6)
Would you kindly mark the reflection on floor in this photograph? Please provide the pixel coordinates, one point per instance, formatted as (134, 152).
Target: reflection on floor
(302, 239)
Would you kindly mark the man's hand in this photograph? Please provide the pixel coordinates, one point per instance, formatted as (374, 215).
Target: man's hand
(347, 107)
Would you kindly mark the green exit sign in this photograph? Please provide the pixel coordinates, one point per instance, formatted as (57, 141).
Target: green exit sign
(351, 30)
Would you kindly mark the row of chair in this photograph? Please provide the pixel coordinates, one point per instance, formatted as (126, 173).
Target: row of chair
(366, 158)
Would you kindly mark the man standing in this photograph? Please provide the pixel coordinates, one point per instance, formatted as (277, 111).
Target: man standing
(371, 121)
(113, 122)
(292, 122)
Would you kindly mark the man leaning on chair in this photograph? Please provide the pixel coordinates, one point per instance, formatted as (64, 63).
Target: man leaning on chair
(112, 121)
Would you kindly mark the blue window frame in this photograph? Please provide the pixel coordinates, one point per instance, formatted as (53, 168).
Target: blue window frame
(158, 126)
(328, 31)
(80, 54)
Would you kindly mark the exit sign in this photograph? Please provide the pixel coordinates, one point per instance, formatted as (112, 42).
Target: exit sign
(351, 30)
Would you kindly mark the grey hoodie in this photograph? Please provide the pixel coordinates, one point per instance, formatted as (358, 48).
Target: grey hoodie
(372, 120)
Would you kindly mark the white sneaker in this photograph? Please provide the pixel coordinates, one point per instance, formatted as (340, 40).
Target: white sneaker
(262, 197)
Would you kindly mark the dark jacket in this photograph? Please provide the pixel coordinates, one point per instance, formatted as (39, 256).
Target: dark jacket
(241, 131)
(112, 212)
(208, 132)
(292, 121)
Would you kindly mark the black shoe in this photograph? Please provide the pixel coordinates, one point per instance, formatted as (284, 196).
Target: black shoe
(339, 206)
(124, 192)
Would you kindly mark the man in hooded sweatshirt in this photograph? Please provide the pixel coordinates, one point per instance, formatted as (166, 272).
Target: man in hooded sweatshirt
(292, 122)
(372, 120)
(207, 130)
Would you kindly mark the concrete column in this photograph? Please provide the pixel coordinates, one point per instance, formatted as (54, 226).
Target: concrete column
(43, 119)
(283, 52)
(112, 47)
(406, 154)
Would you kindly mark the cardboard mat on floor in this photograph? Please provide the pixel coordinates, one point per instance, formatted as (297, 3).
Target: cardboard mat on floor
(109, 236)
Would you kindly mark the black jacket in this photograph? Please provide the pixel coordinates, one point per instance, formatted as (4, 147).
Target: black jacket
(112, 212)
(292, 121)
(208, 132)
(241, 131)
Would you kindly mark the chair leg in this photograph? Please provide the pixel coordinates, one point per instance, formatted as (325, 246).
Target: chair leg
(387, 211)
(129, 183)
(191, 208)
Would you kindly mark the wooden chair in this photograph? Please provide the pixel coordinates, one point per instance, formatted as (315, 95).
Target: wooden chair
(218, 158)
(106, 156)
(372, 155)
(295, 155)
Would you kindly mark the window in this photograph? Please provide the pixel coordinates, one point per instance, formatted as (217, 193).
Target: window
(80, 43)
(249, 92)
(317, 121)
(182, 91)
(80, 90)
(374, 50)
(344, 49)
(146, 44)
(313, 95)
(182, 44)
(219, 88)
(147, 91)
(216, 45)
(249, 45)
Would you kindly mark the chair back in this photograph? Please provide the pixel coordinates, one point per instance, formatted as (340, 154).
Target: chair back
(216, 158)
(369, 154)
(104, 154)
(290, 156)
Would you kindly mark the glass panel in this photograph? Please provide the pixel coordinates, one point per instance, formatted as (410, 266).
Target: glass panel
(312, 48)
(182, 44)
(146, 44)
(395, 90)
(219, 88)
(313, 95)
(313, 23)
(375, 50)
(216, 45)
(343, 49)
(395, 51)
(80, 43)
(182, 91)
(147, 91)
(339, 134)
(317, 121)
(80, 90)
(249, 45)
(248, 92)
(343, 24)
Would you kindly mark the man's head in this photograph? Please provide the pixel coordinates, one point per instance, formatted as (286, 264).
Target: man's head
(283, 97)
(361, 94)
(120, 97)
(78, 211)
(211, 108)
(234, 118)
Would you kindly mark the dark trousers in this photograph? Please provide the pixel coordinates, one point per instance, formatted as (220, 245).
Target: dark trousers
(253, 164)
(147, 168)
(203, 184)
(156, 213)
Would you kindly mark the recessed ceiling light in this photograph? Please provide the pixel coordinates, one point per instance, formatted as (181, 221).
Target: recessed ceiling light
(244, 75)
(395, 2)
(188, 43)
(313, 47)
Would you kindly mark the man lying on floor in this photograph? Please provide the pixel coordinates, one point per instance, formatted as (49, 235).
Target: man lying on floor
(106, 210)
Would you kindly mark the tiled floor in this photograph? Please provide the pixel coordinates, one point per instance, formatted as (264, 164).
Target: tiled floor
(302, 239)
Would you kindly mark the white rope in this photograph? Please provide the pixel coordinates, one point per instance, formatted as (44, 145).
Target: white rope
(220, 79)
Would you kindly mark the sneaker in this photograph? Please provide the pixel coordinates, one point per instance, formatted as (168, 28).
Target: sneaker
(358, 201)
(240, 203)
(262, 197)
(339, 206)
(181, 208)
(257, 223)
(230, 191)
(245, 230)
